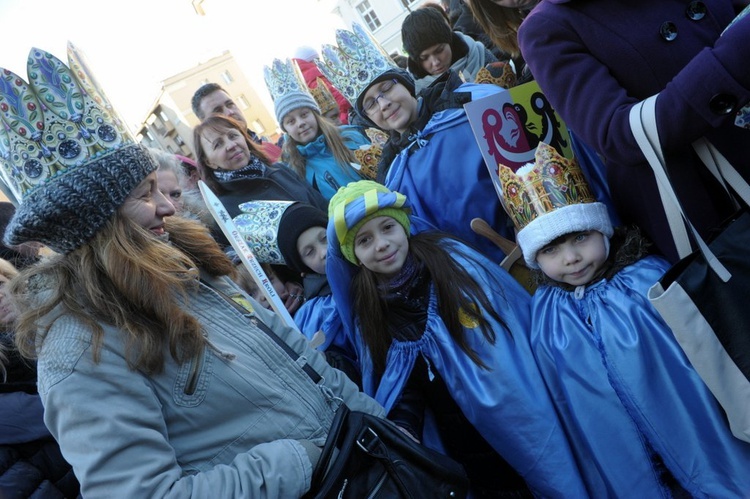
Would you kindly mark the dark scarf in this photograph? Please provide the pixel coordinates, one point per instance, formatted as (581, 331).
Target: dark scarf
(407, 296)
(255, 168)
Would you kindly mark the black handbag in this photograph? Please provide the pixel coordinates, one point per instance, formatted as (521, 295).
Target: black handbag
(704, 297)
(370, 457)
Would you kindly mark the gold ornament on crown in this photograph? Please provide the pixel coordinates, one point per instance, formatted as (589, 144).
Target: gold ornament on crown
(550, 183)
(324, 97)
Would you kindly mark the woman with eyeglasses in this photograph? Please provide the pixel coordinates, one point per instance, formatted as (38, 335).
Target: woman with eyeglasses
(431, 155)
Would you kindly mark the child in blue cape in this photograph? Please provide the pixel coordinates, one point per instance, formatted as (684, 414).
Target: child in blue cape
(294, 234)
(431, 155)
(641, 421)
(441, 334)
(314, 147)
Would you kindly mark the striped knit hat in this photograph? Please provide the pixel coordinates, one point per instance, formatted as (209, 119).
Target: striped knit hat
(359, 202)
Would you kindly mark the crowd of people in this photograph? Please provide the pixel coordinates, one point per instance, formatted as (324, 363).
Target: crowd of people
(139, 357)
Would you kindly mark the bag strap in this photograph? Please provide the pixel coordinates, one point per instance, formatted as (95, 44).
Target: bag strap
(723, 170)
(643, 124)
(647, 136)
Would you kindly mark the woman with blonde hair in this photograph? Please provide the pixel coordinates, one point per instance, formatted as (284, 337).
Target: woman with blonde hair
(159, 377)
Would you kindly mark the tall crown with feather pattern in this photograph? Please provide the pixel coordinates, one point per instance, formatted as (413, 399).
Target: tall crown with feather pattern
(287, 88)
(65, 152)
(354, 62)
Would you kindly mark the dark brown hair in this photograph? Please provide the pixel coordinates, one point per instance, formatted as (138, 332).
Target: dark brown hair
(458, 294)
(500, 23)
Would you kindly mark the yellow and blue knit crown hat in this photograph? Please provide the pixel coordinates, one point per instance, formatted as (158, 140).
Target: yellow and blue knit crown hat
(64, 152)
(359, 202)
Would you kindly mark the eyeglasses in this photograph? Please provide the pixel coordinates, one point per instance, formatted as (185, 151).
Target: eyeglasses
(370, 104)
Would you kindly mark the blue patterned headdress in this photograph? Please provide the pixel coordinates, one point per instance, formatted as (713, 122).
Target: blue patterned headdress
(287, 88)
(64, 152)
(354, 63)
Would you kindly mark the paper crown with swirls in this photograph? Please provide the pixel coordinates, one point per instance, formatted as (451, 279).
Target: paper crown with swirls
(548, 199)
(354, 62)
(64, 152)
(258, 224)
(287, 88)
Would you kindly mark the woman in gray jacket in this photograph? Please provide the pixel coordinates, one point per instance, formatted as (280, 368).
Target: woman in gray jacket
(159, 378)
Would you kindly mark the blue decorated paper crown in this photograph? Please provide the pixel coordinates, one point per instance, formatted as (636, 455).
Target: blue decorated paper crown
(258, 224)
(355, 62)
(287, 88)
(64, 152)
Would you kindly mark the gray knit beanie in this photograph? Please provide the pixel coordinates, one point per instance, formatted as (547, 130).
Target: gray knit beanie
(422, 29)
(74, 162)
(71, 208)
(290, 101)
(287, 88)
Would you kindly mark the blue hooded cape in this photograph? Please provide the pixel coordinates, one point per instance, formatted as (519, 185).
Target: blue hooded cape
(507, 403)
(621, 383)
(444, 176)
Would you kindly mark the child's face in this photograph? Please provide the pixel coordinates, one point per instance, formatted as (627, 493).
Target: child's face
(382, 246)
(574, 259)
(301, 125)
(312, 246)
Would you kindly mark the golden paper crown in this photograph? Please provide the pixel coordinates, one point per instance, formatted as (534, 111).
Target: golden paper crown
(323, 96)
(368, 158)
(550, 183)
(498, 73)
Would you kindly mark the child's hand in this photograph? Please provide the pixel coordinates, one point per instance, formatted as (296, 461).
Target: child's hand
(295, 297)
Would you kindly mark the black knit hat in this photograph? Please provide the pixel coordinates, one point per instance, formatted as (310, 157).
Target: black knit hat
(422, 29)
(297, 219)
(401, 75)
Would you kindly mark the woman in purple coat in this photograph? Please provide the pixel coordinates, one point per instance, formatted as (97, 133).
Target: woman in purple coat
(594, 60)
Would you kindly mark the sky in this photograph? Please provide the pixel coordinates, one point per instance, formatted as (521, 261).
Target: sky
(133, 45)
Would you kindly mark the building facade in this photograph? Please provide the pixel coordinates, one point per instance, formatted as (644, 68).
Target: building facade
(169, 122)
(382, 17)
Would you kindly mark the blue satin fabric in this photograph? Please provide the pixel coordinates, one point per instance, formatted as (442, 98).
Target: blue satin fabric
(321, 169)
(320, 314)
(508, 403)
(619, 379)
(446, 179)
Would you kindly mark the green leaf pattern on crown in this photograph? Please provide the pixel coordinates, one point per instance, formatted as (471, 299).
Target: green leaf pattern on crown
(282, 78)
(355, 61)
(57, 121)
(551, 182)
(258, 224)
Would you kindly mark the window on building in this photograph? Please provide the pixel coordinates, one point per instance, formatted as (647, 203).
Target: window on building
(227, 77)
(257, 127)
(368, 15)
(164, 116)
(242, 102)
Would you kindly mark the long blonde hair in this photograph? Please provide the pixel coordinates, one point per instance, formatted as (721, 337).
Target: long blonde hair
(342, 154)
(128, 278)
(7, 270)
(500, 23)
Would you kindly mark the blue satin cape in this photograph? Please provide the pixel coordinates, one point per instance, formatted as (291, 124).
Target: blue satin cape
(445, 178)
(619, 379)
(508, 403)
